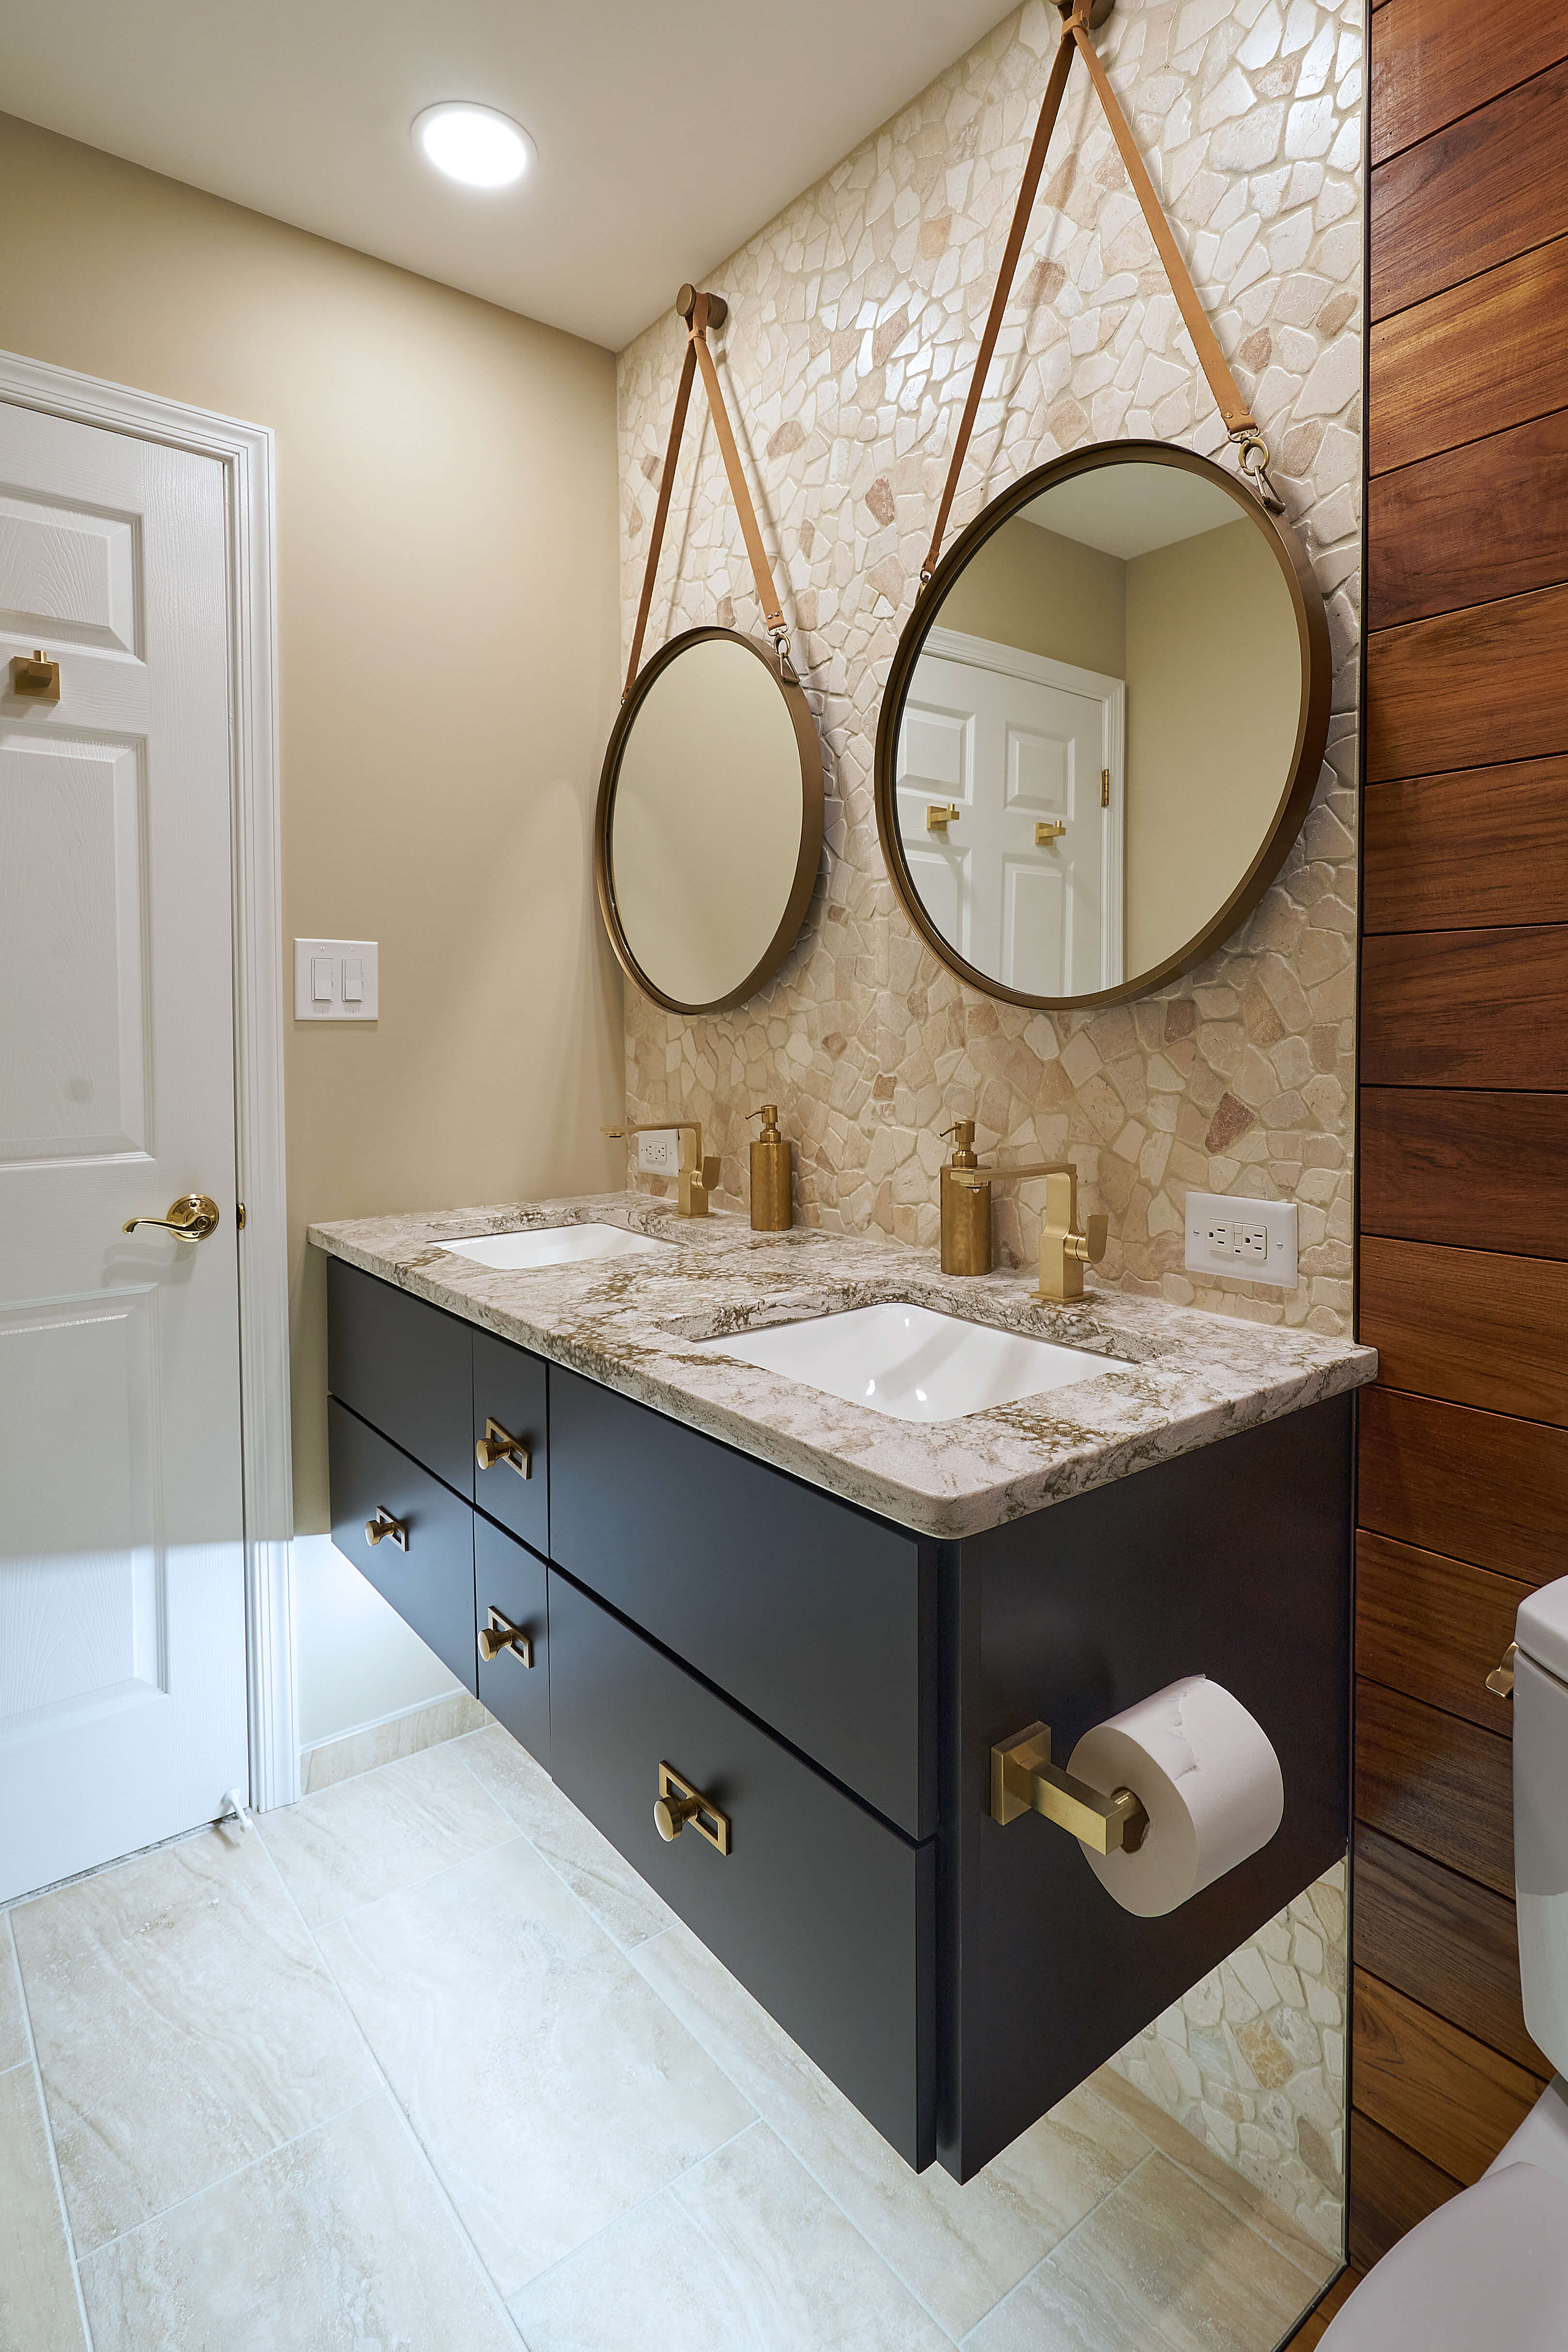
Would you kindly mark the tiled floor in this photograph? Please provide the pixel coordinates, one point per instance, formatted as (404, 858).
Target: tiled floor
(421, 2064)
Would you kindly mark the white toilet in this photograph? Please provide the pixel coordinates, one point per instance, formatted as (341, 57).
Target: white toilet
(1490, 2268)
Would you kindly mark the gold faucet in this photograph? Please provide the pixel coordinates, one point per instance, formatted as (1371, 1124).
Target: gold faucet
(698, 1177)
(1063, 1251)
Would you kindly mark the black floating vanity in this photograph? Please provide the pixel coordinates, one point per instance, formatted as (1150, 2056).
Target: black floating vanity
(815, 1690)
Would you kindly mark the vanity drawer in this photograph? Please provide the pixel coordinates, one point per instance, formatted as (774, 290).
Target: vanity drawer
(814, 1616)
(404, 1367)
(431, 1585)
(509, 1579)
(822, 1911)
(509, 1388)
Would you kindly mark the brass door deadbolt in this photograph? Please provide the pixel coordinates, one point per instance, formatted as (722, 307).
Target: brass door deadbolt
(384, 1528)
(1024, 1780)
(500, 1634)
(681, 1806)
(38, 679)
(1500, 1681)
(497, 1445)
(191, 1218)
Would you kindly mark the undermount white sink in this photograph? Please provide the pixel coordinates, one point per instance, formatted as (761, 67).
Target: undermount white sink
(912, 1362)
(553, 1246)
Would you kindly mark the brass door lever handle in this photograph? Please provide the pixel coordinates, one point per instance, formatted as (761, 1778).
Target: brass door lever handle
(190, 1218)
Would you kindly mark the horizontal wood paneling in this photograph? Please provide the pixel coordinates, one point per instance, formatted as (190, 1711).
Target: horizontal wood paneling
(1391, 2188)
(1439, 2089)
(1433, 60)
(1448, 1942)
(1433, 1161)
(1468, 1325)
(1487, 1008)
(1475, 360)
(1454, 691)
(1471, 526)
(1477, 192)
(1485, 847)
(1434, 1627)
(1436, 1783)
(1476, 1485)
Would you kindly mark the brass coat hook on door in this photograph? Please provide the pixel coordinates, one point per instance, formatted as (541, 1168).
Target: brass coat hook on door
(38, 679)
(191, 1218)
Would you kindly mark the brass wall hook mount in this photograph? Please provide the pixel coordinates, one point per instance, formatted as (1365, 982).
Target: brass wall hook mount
(37, 679)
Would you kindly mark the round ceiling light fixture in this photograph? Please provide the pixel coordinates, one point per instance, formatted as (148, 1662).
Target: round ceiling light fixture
(473, 144)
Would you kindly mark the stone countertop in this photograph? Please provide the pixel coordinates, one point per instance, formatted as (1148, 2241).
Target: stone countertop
(628, 1322)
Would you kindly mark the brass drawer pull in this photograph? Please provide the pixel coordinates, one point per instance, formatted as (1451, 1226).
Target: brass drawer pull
(497, 1445)
(679, 1804)
(500, 1634)
(1024, 1780)
(385, 1527)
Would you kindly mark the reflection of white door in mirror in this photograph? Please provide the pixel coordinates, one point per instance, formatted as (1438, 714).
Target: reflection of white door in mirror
(1020, 745)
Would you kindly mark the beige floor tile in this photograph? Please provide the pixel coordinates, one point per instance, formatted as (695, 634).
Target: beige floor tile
(184, 2022)
(14, 2047)
(959, 2248)
(369, 1836)
(339, 2243)
(332, 1760)
(1052, 2312)
(624, 1905)
(1248, 2202)
(1202, 2280)
(743, 2255)
(552, 2088)
(38, 2310)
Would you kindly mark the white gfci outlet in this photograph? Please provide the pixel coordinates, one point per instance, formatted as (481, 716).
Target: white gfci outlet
(658, 1152)
(1254, 1238)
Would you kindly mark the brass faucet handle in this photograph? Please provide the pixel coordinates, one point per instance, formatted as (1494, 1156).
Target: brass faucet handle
(1088, 1247)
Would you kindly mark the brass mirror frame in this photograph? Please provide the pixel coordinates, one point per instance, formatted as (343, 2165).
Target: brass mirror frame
(809, 745)
(1304, 766)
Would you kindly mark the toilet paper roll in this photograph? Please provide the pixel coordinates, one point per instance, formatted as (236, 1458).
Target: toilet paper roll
(1207, 1775)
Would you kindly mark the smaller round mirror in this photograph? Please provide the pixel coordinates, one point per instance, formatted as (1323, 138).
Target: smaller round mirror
(709, 821)
(1103, 726)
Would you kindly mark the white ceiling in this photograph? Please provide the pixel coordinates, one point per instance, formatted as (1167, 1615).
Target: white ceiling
(667, 132)
(1130, 509)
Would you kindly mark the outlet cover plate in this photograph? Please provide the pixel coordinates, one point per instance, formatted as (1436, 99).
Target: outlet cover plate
(1255, 1240)
(336, 980)
(658, 1152)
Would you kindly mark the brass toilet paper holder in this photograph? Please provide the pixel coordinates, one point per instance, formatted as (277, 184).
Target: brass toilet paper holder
(1024, 1780)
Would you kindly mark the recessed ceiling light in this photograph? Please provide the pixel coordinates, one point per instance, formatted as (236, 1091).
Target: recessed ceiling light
(474, 144)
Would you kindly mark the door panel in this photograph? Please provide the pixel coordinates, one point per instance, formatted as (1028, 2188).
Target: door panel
(122, 1701)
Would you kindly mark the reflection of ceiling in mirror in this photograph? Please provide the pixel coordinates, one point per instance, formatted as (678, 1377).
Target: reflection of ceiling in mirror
(1130, 509)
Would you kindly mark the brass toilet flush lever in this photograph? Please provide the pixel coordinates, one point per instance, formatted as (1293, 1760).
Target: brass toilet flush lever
(698, 1177)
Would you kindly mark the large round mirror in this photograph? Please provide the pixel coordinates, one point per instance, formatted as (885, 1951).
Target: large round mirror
(709, 821)
(1103, 726)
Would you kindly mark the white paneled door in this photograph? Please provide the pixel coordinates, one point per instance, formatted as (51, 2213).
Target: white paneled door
(1025, 879)
(122, 1671)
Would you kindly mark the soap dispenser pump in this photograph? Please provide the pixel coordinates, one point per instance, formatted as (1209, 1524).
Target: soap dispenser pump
(965, 1211)
(773, 1207)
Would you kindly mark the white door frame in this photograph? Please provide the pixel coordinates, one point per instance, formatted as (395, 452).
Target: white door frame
(1013, 661)
(245, 453)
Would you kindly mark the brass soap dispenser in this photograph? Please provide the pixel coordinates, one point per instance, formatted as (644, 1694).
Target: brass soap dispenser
(772, 1208)
(965, 1211)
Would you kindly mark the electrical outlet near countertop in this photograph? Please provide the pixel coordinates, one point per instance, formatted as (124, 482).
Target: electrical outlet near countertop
(1254, 1239)
(658, 1152)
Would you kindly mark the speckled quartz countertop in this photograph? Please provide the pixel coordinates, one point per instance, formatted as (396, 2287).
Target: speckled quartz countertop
(628, 1323)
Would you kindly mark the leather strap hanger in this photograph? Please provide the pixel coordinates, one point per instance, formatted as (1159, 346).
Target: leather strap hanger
(1238, 417)
(701, 312)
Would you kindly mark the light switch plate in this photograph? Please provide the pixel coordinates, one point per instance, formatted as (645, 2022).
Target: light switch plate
(335, 980)
(1254, 1239)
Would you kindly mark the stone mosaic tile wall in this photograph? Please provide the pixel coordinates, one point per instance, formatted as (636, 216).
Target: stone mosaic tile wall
(854, 322)
(1253, 2059)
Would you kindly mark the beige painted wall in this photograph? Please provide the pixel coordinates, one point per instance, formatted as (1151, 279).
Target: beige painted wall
(447, 633)
(1214, 694)
(1033, 588)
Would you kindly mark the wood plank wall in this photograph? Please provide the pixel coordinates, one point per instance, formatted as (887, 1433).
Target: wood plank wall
(1463, 1066)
